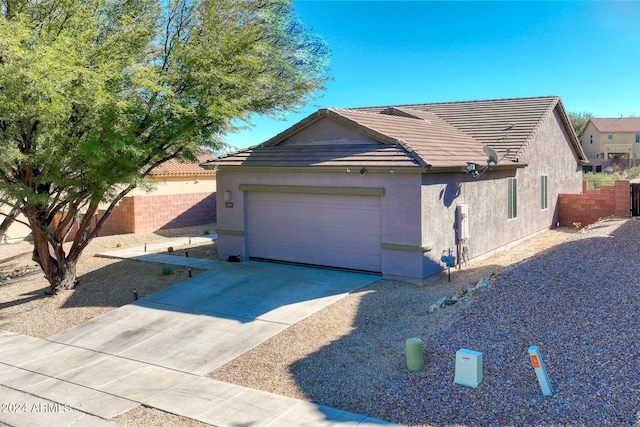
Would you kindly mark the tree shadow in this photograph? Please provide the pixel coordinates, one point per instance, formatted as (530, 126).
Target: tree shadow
(28, 297)
(119, 283)
(203, 212)
(583, 315)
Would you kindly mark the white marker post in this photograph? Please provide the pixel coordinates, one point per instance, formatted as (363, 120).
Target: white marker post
(541, 372)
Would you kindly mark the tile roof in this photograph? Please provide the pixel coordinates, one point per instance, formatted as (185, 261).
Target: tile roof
(440, 135)
(320, 155)
(176, 167)
(501, 123)
(620, 124)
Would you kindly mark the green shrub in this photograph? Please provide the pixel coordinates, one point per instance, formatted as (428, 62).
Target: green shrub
(118, 245)
(206, 232)
(170, 249)
(166, 270)
(597, 180)
(633, 173)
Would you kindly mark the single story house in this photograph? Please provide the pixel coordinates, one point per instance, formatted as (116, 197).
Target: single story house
(389, 189)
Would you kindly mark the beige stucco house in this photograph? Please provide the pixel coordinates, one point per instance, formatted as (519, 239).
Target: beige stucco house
(614, 139)
(387, 189)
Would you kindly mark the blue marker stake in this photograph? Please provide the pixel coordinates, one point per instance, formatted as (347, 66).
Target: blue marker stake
(541, 372)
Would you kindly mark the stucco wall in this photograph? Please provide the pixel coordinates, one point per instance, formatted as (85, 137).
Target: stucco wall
(400, 209)
(548, 154)
(326, 130)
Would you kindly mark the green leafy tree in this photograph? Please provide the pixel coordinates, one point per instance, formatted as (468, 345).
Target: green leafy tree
(96, 93)
(579, 121)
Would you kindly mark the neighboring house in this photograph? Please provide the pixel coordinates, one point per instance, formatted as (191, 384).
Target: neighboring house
(181, 194)
(616, 140)
(384, 189)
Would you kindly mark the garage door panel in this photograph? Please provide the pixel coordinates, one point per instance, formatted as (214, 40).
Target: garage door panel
(332, 230)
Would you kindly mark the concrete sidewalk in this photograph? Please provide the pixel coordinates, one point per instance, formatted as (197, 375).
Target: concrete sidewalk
(154, 352)
(56, 385)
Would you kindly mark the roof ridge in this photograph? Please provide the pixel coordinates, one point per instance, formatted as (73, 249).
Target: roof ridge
(471, 101)
(615, 118)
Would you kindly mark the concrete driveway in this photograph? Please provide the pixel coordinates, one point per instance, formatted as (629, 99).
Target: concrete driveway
(156, 350)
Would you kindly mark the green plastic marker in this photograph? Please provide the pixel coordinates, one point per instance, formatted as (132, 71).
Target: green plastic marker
(415, 355)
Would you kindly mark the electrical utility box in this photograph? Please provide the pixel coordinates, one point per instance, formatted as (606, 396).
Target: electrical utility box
(468, 368)
(462, 219)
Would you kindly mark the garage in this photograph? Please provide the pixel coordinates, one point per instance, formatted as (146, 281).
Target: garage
(333, 230)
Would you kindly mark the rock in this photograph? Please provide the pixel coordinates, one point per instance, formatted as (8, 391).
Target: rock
(451, 300)
(482, 283)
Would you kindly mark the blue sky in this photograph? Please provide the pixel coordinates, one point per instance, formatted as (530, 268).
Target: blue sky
(400, 52)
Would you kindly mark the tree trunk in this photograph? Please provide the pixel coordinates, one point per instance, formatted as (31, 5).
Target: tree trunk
(59, 270)
(62, 278)
(8, 220)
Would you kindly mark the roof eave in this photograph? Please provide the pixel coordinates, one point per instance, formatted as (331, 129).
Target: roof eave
(582, 157)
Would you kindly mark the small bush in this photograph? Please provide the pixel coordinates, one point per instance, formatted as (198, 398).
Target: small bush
(166, 270)
(634, 173)
(170, 249)
(118, 245)
(597, 180)
(206, 232)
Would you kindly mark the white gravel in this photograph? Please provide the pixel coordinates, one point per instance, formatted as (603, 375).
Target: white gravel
(579, 302)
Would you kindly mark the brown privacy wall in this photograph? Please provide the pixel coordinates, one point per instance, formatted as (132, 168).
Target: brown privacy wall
(121, 219)
(171, 211)
(591, 205)
(140, 214)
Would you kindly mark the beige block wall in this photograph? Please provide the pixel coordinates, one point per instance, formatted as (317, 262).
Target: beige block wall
(182, 185)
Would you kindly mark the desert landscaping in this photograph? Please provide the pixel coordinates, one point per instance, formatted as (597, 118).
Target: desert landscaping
(573, 292)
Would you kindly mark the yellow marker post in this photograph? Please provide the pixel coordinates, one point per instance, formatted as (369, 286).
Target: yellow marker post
(541, 372)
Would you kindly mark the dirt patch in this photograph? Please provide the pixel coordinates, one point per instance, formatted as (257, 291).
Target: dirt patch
(105, 283)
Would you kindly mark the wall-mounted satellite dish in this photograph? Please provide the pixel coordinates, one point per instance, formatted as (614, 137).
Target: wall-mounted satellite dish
(492, 157)
(491, 154)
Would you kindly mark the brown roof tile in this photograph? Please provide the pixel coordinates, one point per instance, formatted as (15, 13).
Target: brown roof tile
(621, 124)
(320, 155)
(441, 135)
(500, 123)
(176, 167)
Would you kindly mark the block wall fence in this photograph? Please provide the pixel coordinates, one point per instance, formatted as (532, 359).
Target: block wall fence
(591, 205)
(140, 214)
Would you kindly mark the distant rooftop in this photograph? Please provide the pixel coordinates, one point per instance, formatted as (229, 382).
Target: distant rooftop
(176, 167)
(620, 124)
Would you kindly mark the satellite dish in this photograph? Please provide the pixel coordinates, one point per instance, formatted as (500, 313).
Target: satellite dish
(491, 154)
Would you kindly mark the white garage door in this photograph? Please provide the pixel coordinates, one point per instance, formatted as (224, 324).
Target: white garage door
(332, 230)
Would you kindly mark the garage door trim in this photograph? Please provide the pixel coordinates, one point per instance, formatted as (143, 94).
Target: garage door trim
(346, 191)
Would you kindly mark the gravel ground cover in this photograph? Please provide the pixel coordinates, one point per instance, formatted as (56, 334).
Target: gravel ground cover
(578, 301)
